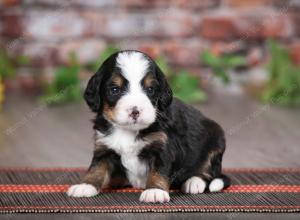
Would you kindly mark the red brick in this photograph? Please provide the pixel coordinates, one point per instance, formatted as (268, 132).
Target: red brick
(219, 27)
(153, 49)
(277, 27)
(197, 4)
(221, 47)
(192, 4)
(294, 49)
(246, 24)
(184, 53)
(12, 25)
(296, 20)
(9, 3)
(247, 4)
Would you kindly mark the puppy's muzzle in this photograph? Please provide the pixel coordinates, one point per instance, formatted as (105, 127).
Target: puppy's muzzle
(135, 113)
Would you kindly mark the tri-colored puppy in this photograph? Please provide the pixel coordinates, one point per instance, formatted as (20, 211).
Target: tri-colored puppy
(146, 138)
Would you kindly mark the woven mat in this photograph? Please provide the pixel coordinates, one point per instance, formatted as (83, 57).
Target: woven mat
(252, 190)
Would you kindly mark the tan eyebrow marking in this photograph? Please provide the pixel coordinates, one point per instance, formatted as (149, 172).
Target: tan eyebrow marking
(148, 80)
(118, 80)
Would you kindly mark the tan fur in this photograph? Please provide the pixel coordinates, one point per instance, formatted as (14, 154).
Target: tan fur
(117, 80)
(159, 136)
(148, 80)
(98, 175)
(155, 180)
(108, 112)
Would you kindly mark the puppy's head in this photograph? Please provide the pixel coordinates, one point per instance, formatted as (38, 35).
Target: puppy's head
(129, 90)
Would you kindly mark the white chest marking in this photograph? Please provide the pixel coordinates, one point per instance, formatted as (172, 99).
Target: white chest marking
(124, 143)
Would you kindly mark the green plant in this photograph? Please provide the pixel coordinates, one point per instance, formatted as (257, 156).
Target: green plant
(66, 84)
(184, 84)
(9, 64)
(220, 65)
(162, 62)
(186, 87)
(283, 85)
(8, 68)
(1, 92)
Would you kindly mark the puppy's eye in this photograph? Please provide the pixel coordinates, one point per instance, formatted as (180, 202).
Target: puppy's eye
(150, 90)
(114, 90)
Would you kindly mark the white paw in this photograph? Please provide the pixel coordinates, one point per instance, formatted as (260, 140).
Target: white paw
(82, 190)
(194, 185)
(216, 185)
(154, 195)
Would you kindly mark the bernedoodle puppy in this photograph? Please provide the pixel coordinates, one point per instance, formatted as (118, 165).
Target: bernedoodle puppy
(146, 138)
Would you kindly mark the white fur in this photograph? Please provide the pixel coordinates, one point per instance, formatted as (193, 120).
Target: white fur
(216, 185)
(194, 185)
(134, 66)
(155, 195)
(82, 190)
(124, 143)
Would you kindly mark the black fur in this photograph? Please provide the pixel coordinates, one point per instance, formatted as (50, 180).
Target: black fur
(191, 138)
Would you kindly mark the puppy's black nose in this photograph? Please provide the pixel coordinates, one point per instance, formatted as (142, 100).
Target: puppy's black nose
(135, 113)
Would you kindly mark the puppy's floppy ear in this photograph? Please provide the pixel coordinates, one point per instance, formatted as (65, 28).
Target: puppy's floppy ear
(92, 91)
(166, 94)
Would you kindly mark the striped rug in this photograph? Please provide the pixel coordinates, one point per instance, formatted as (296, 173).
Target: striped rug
(43, 190)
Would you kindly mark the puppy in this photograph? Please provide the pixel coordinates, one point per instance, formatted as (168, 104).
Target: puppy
(146, 138)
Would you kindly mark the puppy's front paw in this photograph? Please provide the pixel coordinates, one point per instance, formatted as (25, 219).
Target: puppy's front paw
(82, 190)
(194, 185)
(154, 195)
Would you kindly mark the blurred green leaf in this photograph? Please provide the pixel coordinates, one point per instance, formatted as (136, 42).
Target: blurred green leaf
(231, 61)
(186, 87)
(23, 60)
(283, 86)
(210, 59)
(66, 84)
(9, 65)
(220, 65)
(162, 63)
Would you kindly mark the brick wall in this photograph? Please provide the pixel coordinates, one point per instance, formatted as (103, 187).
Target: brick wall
(47, 30)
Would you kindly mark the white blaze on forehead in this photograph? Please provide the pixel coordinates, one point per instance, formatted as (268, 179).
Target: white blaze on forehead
(133, 64)
(134, 67)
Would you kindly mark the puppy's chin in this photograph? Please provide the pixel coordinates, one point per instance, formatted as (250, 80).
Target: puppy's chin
(134, 127)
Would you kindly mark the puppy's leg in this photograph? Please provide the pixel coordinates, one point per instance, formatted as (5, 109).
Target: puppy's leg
(97, 177)
(157, 189)
(209, 175)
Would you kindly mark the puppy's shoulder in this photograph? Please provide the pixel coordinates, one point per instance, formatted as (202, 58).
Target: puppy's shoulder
(180, 109)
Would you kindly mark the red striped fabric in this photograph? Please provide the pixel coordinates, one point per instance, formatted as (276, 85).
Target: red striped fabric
(81, 169)
(63, 188)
